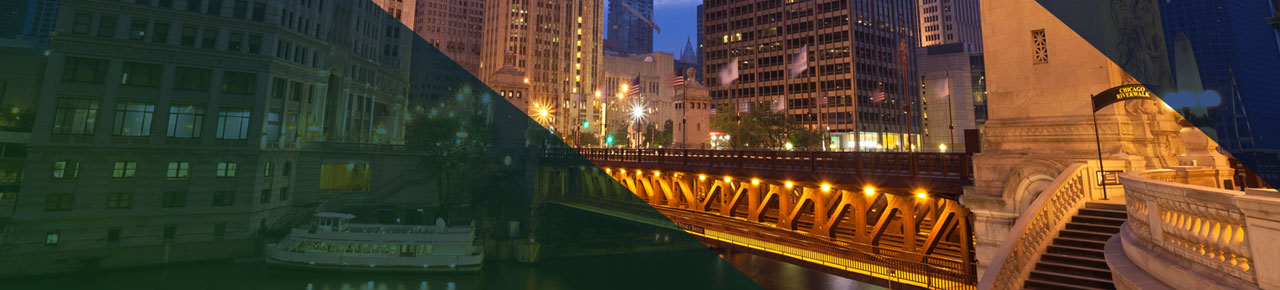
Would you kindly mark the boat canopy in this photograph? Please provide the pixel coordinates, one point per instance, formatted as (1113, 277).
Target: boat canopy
(345, 216)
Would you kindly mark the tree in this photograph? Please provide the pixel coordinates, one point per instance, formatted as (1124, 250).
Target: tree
(756, 128)
(452, 138)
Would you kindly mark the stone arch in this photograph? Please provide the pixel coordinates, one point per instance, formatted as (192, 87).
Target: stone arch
(1026, 182)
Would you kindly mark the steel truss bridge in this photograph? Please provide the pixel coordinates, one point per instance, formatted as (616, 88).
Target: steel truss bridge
(891, 216)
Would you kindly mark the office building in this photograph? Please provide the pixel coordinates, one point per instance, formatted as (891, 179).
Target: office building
(558, 45)
(954, 95)
(950, 21)
(859, 84)
(453, 27)
(629, 26)
(174, 131)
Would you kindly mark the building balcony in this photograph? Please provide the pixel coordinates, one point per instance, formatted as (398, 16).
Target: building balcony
(1183, 232)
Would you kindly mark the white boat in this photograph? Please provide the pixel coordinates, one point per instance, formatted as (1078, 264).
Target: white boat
(332, 242)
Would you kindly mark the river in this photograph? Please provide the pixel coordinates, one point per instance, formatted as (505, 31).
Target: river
(676, 270)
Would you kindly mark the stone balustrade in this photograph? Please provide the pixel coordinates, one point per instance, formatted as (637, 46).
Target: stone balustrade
(1033, 233)
(1185, 233)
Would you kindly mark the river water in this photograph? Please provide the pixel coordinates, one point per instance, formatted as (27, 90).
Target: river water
(696, 270)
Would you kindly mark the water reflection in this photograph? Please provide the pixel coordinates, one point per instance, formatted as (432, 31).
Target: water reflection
(638, 271)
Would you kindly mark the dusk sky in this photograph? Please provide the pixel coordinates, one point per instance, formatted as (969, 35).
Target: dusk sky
(679, 22)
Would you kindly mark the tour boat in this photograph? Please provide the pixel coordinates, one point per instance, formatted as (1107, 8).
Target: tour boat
(333, 242)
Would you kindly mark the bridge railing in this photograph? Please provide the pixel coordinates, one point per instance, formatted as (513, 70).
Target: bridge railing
(956, 167)
(1178, 217)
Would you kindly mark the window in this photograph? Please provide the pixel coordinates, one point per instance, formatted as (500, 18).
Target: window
(215, 7)
(84, 70)
(160, 32)
(119, 200)
(174, 199)
(75, 116)
(178, 170)
(255, 43)
(107, 26)
(284, 193)
(138, 29)
(58, 202)
(170, 232)
(265, 196)
(227, 169)
(82, 23)
(288, 169)
(193, 5)
(188, 35)
(260, 11)
(239, 83)
(124, 169)
(1040, 46)
(141, 74)
(233, 124)
(209, 39)
(240, 9)
(192, 79)
(113, 235)
(51, 238)
(220, 229)
(185, 121)
(66, 169)
(133, 119)
(266, 169)
(236, 42)
(223, 198)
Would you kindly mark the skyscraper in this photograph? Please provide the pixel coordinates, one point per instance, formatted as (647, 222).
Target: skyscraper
(950, 21)
(1237, 56)
(557, 45)
(859, 84)
(453, 27)
(629, 25)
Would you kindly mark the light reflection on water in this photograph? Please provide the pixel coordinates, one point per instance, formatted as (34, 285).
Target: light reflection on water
(683, 270)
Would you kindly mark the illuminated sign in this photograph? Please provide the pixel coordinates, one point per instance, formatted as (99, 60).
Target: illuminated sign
(1120, 94)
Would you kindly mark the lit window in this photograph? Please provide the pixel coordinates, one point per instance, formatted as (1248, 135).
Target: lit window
(51, 238)
(178, 170)
(133, 119)
(124, 169)
(66, 169)
(227, 169)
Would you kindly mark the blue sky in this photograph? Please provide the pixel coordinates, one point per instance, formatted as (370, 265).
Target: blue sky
(679, 22)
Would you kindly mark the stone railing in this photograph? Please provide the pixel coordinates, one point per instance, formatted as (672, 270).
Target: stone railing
(1187, 234)
(1035, 230)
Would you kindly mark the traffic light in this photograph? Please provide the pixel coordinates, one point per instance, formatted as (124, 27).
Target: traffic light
(586, 124)
(608, 140)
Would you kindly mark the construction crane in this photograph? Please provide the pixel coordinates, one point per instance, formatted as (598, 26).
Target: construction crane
(641, 16)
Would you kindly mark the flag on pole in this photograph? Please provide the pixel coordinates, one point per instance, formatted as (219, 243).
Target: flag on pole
(743, 107)
(877, 96)
(822, 99)
(801, 63)
(677, 81)
(634, 88)
(729, 73)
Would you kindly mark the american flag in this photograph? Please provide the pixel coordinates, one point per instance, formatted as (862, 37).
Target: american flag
(822, 99)
(677, 81)
(877, 96)
(634, 88)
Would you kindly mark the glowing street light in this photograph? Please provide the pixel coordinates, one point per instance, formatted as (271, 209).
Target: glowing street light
(942, 147)
(869, 191)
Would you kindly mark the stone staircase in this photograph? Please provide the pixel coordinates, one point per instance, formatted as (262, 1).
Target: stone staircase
(1075, 259)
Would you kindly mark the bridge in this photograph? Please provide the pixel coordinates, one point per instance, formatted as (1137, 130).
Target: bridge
(889, 216)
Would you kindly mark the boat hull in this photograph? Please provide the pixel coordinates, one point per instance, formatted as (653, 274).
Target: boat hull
(326, 261)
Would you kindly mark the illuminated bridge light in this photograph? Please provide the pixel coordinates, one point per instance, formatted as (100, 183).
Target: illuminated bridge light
(922, 194)
(728, 179)
(788, 184)
(657, 173)
(755, 181)
(606, 170)
(702, 177)
(826, 187)
(869, 190)
(624, 171)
